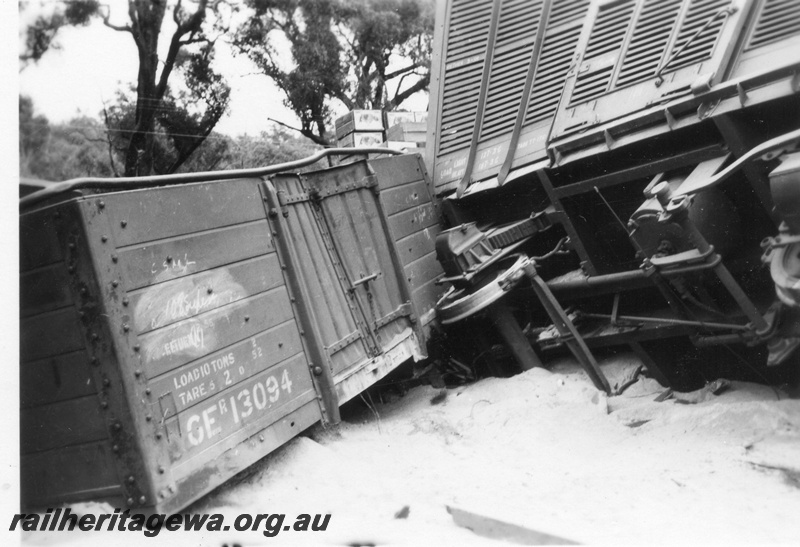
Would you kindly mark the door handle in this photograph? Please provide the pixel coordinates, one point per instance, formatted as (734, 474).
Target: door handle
(363, 280)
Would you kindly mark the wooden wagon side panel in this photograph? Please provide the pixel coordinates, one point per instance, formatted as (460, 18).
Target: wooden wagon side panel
(215, 359)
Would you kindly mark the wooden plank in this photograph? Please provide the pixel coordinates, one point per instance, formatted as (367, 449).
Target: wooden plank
(166, 303)
(404, 197)
(73, 473)
(50, 333)
(44, 289)
(147, 215)
(398, 170)
(354, 381)
(251, 405)
(197, 381)
(418, 244)
(172, 258)
(412, 220)
(169, 347)
(38, 242)
(61, 424)
(57, 378)
(422, 270)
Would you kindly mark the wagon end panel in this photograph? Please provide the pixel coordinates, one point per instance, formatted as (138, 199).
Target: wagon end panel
(67, 450)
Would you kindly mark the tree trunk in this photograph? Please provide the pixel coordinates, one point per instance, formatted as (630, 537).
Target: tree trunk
(146, 20)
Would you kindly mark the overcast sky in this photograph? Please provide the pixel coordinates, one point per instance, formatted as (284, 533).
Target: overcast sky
(95, 61)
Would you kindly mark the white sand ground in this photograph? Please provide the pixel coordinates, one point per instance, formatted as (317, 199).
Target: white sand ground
(543, 450)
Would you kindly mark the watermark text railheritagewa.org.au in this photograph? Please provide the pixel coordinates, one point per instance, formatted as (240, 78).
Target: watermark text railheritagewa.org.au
(151, 525)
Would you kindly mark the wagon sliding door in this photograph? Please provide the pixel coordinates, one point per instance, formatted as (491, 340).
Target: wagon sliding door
(352, 276)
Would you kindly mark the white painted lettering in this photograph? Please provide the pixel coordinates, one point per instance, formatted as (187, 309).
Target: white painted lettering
(195, 432)
(209, 421)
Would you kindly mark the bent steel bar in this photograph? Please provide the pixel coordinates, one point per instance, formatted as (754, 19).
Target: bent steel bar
(763, 148)
(123, 183)
(482, 96)
(566, 328)
(527, 88)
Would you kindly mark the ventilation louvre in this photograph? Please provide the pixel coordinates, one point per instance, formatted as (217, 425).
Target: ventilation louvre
(609, 29)
(466, 49)
(567, 11)
(554, 64)
(519, 23)
(561, 39)
(606, 37)
(592, 85)
(778, 19)
(700, 12)
(649, 41)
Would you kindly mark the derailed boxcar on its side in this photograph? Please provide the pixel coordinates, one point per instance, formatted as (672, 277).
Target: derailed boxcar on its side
(172, 336)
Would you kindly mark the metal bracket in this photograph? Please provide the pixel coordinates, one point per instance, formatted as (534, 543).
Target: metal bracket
(285, 199)
(402, 311)
(370, 181)
(346, 341)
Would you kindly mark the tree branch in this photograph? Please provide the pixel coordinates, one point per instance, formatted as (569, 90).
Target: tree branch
(305, 132)
(107, 21)
(349, 103)
(196, 41)
(421, 84)
(176, 13)
(397, 73)
(191, 25)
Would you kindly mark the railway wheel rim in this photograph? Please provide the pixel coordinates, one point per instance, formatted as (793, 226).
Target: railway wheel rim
(458, 304)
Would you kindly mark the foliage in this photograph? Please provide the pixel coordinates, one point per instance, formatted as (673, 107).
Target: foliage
(33, 134)
(277, 145)
(269, 148)
(57, 152)
(184, 117)
(86, 147)
(179, 127)
(341, 50)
